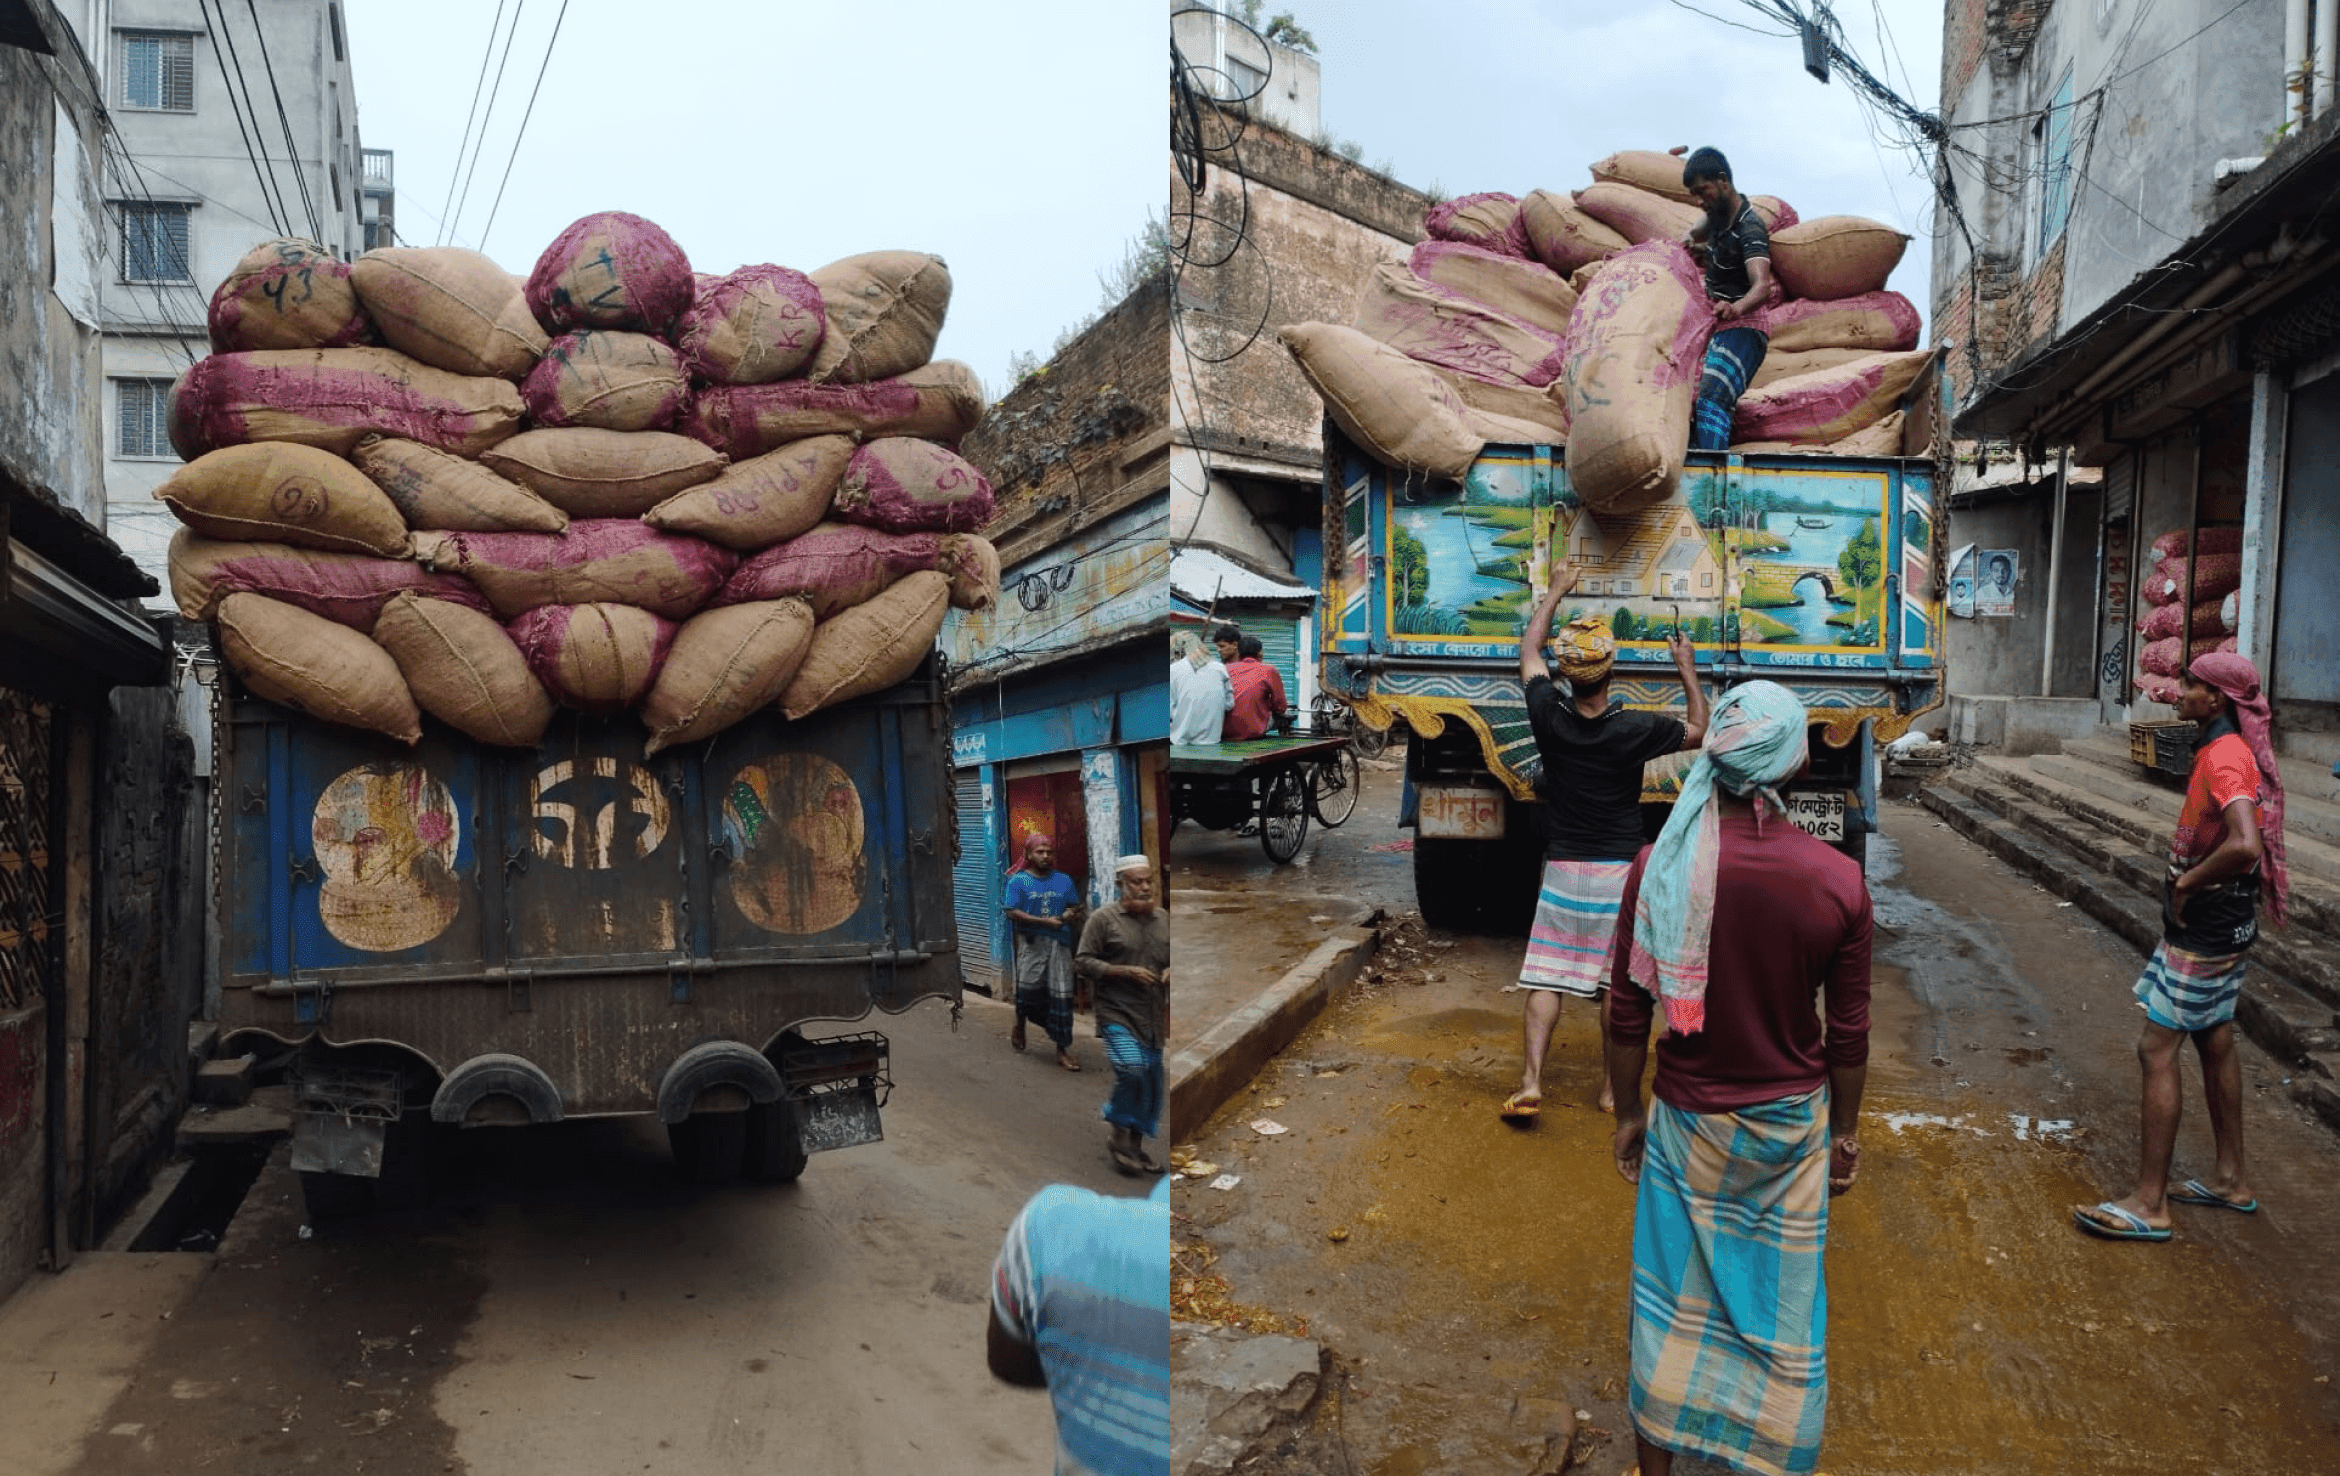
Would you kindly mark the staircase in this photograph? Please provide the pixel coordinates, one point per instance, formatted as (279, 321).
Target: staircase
(2092, 827)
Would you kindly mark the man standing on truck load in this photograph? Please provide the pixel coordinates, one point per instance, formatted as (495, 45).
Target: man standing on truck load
(1046, 911)
(2229, 843)
(1125, 955)
(1732, 923)
(1593, 751)
(1259, 693)
(1200, 694)
(1735, 247)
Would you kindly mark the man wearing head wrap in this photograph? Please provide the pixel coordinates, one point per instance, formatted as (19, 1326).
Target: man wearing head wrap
(1125, 954)
(1592, 751)
(1201, 696)
(1045, 909)
(1735, 247)
(1735, 919)
(2226, 854)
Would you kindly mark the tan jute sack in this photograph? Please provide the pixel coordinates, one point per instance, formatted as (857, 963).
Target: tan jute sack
(1781, 364)
(453, 309)
(464, 670)
(597, 657)
(1546, 409)
(436, 489)
(1635, 351)
(884, 309)
(972, 565)
(1835, 256)
(1881, 439)
(606, 378)
(1527, 290)
(763, 500)
(725, 664)
(1435, 325)
(287, 294)
(1636, 214)
(1503, 430)
(279, 492)
(1653, 170)
(305, 661)
(592, 473)
(869, 647)
(1562, 236)
(1400, 412)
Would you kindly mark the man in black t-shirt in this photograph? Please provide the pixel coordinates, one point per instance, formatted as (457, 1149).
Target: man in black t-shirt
(1593, 751)
(1735, 246)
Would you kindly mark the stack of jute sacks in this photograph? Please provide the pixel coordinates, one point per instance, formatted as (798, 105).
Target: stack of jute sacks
(1579, 319)
(417, 484)
(2207, 569)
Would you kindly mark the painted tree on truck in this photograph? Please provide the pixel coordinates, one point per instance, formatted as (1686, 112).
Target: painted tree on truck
(1409, 569)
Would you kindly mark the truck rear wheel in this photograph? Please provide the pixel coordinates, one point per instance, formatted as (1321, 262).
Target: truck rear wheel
(775, 1150)
(710, 1147)
(1445, 885)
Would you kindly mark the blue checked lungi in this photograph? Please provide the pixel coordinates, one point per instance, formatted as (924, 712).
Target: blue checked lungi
(1730, 1310)
(1732, 357)
(2181, 990)
(1137, 1081)
(1044, 986)
(1576, 924)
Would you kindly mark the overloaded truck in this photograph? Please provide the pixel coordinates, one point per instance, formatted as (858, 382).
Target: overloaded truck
(461, 935)
(1817, 572)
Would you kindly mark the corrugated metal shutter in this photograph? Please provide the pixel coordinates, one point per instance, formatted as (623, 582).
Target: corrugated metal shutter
(2120, 486)
(975, 883)
(1279, 647)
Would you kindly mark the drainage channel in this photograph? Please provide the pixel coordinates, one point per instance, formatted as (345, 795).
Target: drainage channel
(193, 1214)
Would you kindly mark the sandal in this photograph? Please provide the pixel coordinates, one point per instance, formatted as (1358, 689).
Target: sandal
(1520, 1106)
(1067, 1062)
(1016, 1036)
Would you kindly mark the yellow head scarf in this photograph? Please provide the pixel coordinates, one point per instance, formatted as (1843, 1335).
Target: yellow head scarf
(1586, 649)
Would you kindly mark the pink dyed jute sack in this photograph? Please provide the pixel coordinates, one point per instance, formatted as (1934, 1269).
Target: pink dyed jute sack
(287, 294)
(437, 489)
(592, 473)
(884, 311)
(348, 589)
(1636, 214)
(869, 647)
(759, 324)
(1490, 220)
(1527, 291)
(597, 559)
(939, 402)
(906, 485)
(2212, 540)
(2213, 576)
(1835, 256)
(1828, 404)
(1776, 214)
(2165, 621)
(464, 669)
(598, 657)
(611, 270)
(833, 568)
(449, 308)
(1562, 236)
(334, 398)
(1635, 350)
(1781, 364)
(1881, 322)
(608, 379)
(2161, 657)
(1400, 412)
(310, 663)
(763, 500)
(725, 664)
(279, 492)
(1436, 325)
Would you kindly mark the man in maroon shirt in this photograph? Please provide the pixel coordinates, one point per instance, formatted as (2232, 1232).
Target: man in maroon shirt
(1259, 694)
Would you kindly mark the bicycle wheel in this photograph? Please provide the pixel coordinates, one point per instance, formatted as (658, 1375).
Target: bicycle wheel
(1367, 740)
(1333, 787)
(1283, 816)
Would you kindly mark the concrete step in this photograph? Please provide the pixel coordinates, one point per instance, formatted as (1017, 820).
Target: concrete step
(2311, 797)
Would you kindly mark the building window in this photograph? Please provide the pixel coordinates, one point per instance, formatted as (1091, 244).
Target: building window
(1705, 580)
(2052, 147)
(140, 410)
(1624, 586)
(158, 71)
(154, 243)
(333, 23)
(1243, 79)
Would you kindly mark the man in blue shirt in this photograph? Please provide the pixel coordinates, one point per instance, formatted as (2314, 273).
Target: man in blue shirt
(1046, 909)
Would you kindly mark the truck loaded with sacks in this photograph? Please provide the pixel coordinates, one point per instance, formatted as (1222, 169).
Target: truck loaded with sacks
(584, 744)
(1513, 406)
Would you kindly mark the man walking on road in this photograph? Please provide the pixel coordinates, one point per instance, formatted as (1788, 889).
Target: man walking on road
(1046, 910)
(1593, 751)
(1125, 954)
(2229, 843)
(1259, 693)
(1735, 248)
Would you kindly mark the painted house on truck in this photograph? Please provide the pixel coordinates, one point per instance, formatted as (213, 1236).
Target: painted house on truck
(1060, 693)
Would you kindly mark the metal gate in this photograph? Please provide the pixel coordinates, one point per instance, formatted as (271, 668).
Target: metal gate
(976, 882)
(24, 850)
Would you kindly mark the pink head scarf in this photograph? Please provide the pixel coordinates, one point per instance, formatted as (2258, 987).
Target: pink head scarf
(2239, 680)
(1024, 862)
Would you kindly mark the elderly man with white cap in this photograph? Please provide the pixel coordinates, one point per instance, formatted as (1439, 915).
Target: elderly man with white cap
(1125, 956)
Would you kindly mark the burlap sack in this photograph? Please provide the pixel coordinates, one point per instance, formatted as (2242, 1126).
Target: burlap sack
(1776, 214)
(348, 589)
(607, 379)
(287, 294)
(869, 647)
(449, 308)
(763, 500)
(1504, 430)
(832, 568)
(1527, 291)
(1781, 364)
(971, 563)
(1635, 349)
(2161, 657)
(1434, 325)
(2212, 540)
(278, 492)
(1546, 409)
(611, 270)
(596, 657)
(310, 663)
(759, 324)
(940, 402)
(1636, 214)
(906, 485)
(1877, 322)
(597, 559)
(1400, 412)
(725, 664)
(1490, 220)
(1827, 405)
(589, 473)
(1654, 170)
(884, 310)
(465, 670)
(436, 489)
(2167, 621)
(2214, 576)
(1881, 439)
(1562, 236)
(332, 399)
(1835, 256)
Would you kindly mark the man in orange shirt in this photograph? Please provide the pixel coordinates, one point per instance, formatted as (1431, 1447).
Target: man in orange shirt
(1259, 693)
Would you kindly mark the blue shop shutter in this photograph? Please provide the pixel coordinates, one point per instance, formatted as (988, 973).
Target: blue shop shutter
(1279, 642)
(976, 883)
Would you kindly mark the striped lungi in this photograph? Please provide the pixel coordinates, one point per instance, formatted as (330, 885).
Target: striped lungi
(1730, 1311)
(1044, 986)
(1576, 923)
(1136, 1101)
(1732, 357)
(2182, 990)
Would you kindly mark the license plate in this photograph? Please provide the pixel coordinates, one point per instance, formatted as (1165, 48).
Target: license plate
(1817, 812)
(1459, 812)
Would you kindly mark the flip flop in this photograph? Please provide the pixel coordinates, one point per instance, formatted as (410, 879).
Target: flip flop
(1068, 1063)
(2134, 1226)
(1517, 1110)
(2194, 1191)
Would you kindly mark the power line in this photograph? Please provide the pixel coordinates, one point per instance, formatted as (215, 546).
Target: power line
(278, 220)
(292, 150)
(464, 142)
(494, 92)
(530, 112)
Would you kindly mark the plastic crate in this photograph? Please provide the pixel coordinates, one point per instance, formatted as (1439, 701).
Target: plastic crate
(2146, 745)
(2173, 747)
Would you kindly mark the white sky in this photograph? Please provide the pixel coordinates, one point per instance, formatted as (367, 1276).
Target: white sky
(1024, 143)
(1517, 95)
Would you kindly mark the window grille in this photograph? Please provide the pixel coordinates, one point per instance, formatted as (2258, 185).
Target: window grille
(158, 71)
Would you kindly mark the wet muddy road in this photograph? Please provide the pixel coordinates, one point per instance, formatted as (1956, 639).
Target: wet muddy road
(1457, 1266)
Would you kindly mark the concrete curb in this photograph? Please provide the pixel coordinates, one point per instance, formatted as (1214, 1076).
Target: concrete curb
(1212, 1068)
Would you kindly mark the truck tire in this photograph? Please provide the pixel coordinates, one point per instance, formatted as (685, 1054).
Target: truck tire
(1856, 845)
(710, 1147)
(775, 1150)
(1446, 886)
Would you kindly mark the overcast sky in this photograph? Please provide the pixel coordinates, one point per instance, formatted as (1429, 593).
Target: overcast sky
(1024, 143)
(1516, 95)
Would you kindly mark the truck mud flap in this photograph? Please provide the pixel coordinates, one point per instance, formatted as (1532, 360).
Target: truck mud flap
(834, 1087)
(341, 1118)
